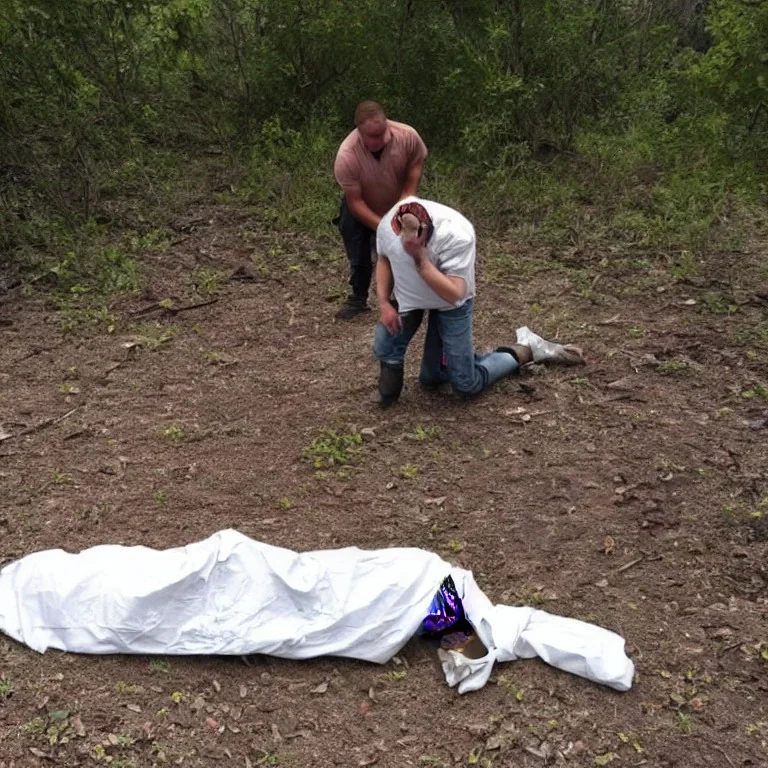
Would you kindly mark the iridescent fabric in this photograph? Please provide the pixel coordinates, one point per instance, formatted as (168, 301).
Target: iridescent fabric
(446, 610)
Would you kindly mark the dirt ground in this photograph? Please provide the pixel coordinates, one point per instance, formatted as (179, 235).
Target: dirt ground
(632, 493)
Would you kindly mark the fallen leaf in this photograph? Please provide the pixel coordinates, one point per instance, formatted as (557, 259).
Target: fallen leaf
(133, 707)
(322, 688)
(77, 726)
(364, 707)
(216, 686)
(608, 757)
(602, 583)
(276, 735)
(437, 501)
(370, 761)
(39, 753)
(608, 545)
(198, 704)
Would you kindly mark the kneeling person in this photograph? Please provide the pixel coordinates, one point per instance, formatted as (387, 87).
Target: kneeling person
(427, 261)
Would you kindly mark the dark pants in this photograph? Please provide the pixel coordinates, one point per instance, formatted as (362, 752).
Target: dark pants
(357, 243)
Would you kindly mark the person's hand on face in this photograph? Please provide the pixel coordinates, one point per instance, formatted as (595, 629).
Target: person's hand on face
(414, 238)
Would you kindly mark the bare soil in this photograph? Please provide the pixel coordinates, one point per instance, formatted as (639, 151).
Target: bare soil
(632, 493)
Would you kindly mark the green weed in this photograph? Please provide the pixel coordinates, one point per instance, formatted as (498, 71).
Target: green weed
(332, 448)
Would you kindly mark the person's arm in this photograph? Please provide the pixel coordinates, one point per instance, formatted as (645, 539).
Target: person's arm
(412, 180)
(385, 282)
(450, 288)
(359, 208)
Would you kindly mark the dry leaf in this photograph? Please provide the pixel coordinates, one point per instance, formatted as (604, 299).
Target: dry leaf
(438, 501)
(217, 686)
(77, 726)
(39, 753)
(608, 545)
(276, 735)
(133, 707)
(322, 688)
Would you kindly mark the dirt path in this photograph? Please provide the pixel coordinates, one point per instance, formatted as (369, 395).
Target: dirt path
(632, 493)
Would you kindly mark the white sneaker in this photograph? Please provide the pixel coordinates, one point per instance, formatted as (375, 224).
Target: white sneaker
(549, 351)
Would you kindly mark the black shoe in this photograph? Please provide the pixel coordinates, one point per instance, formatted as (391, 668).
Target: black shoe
(352, 309)
(390, 385)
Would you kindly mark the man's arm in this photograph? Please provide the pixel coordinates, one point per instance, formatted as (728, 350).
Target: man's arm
(385, 282)
(359, 208)
(450, 288)
(412, 180)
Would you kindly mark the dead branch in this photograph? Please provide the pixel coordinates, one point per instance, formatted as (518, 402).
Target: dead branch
(41, 425)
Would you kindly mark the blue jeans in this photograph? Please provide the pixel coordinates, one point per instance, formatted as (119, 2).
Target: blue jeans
(449, 334)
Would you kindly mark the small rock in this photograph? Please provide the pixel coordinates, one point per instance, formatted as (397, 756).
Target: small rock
(211, 723)
(602, 583)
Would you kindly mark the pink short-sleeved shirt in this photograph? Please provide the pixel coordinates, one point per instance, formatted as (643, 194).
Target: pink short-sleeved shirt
(379, 181)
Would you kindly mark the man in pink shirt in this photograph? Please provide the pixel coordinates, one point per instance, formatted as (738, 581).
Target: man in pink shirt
(378, 164)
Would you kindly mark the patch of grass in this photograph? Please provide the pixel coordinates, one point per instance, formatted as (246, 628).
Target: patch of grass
(395, 675)
(426, 433)
(717, 304)
(35, 726)
(685, 723)
(331, 448)
(155, 336)
(123, 687)
(160, 665)
(409, 471)
(268, 758)
(511, 688)
(160, 498)
(455, 546)
(756, 390)
(434, 760)
(675, 365)
(6, 688)
(174, 433)
(208, 282)
(60, 478)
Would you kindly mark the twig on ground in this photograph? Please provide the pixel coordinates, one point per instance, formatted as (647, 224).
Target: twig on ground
(169, 310)
(41, 425)
(630, 564)
(723, 753)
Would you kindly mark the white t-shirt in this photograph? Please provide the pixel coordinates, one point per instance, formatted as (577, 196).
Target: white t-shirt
(451, 249)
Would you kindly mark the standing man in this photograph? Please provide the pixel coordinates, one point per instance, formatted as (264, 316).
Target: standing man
(379, 163)
(427, 257)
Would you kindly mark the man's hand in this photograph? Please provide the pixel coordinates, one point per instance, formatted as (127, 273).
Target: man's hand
(390, 318)
(415, 247)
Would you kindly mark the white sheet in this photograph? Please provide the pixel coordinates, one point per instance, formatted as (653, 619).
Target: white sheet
(229, 594)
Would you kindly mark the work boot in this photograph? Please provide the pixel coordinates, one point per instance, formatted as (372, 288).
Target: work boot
(549, 351)
(390, 385)
(352, 307)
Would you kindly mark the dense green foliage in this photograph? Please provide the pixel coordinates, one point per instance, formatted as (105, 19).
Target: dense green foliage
(642, 121)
